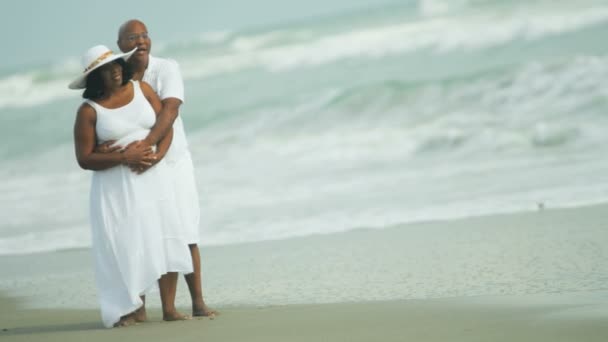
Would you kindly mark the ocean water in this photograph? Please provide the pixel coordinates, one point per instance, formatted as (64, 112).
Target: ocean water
(412, 111)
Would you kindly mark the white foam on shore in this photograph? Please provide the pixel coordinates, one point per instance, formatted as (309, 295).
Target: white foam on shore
(46, 241)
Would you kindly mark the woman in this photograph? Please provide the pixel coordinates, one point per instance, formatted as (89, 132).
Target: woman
(128, 210)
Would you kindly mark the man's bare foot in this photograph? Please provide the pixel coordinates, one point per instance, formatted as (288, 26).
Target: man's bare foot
(140, 315)
(203, 311)
(125, 321)
(175, 316)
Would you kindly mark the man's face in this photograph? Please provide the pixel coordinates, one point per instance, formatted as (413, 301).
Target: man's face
(135, 35)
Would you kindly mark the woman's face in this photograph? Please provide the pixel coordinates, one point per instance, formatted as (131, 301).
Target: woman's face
(111, 75)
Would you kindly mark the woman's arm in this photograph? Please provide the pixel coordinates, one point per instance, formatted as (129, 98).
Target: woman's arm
(84, 143)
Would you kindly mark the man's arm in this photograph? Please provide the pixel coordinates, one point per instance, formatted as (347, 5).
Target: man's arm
(164, 121)
(165, 142)
(171, 94)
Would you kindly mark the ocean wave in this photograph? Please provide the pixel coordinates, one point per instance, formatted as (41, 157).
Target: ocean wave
(555, 104)
(429, 8)
(46, 241)
(39, 86)
(215, 37)
(218, 53)
(443, 34)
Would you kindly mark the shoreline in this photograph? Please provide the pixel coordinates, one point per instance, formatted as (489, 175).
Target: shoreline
(540, 208)
(554, 250)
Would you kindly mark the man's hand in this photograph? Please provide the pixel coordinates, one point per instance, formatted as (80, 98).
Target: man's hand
(107, 147)
(143, 167)
(140, 156)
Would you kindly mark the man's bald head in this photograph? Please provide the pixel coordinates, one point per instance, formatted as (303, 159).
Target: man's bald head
(134, 34)
(130, 26)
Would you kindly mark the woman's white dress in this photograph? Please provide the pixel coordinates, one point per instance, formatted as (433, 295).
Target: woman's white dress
(131, 217)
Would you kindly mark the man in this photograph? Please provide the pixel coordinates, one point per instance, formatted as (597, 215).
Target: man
(165, 78)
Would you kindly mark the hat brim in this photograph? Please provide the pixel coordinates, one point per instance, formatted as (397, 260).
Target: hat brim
(81, 81)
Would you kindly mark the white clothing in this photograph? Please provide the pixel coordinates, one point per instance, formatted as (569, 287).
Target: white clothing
(129, 216)
(165, 78)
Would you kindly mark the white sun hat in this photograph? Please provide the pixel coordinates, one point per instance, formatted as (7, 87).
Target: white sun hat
(94, 58)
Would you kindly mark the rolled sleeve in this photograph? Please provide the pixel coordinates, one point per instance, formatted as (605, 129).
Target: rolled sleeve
(171, 82)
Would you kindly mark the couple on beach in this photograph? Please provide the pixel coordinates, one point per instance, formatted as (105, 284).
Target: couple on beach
(143, 202)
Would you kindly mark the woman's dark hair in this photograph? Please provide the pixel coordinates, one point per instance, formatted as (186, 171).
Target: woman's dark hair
(94, 87)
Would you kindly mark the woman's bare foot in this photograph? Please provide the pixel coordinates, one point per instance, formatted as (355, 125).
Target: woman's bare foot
(125, 321)
(202, 310)
(140, 315)
(175, 316)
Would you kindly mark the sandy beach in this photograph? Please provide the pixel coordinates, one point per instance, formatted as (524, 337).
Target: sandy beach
(479, 319)
(536, 276)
